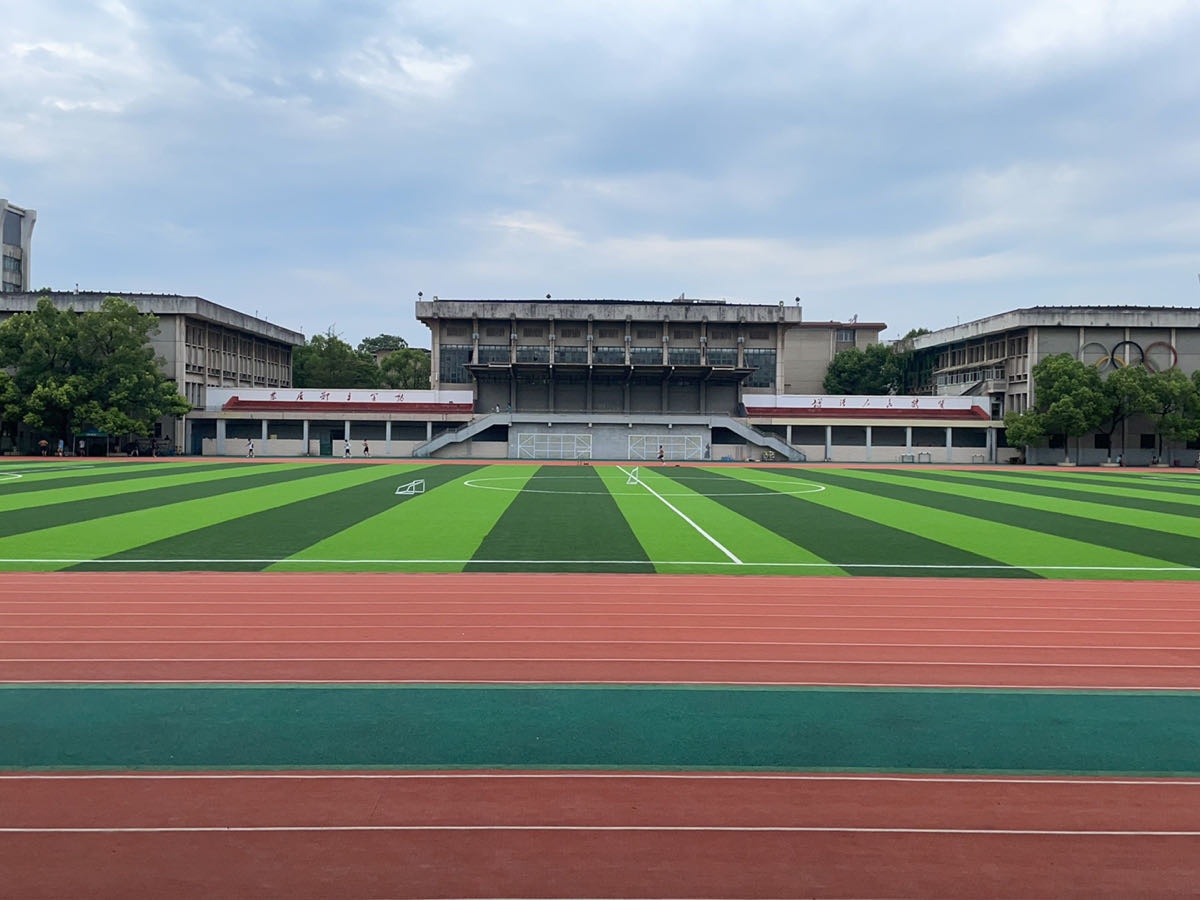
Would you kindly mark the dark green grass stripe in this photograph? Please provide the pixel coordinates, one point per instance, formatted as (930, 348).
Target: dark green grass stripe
(58, 514)
(102, 473)
(575, 519)
(1161, 545)
(650, 727)
(1168, 486)
(1113, 497)
(833, 534)
(278, 532)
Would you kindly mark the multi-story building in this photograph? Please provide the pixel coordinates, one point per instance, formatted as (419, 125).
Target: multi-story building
(993, 358)
(16, 231)
(619, 378)
(201, 345)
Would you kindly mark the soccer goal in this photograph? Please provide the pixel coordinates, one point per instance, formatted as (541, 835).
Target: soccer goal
(413, 487)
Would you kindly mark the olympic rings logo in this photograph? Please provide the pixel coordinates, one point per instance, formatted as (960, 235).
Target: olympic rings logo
(1156, 357)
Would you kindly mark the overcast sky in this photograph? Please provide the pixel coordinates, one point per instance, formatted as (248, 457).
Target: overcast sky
(320, 162)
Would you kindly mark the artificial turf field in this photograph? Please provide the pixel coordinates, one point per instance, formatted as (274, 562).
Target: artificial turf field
(344, 516)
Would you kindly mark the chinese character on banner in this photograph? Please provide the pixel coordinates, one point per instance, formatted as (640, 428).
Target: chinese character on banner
(916, 401)
(816, 402)
(300, 396)
(347, 396)
(324, 395)
(272, 395)
(941, 404)
(843, 403)
(866, 401)
(399, 398)
(374, 396)
(889, 403)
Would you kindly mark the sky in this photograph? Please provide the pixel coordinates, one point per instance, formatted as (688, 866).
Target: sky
(320, 162)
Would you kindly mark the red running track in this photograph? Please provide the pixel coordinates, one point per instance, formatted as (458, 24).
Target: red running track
(600, 835)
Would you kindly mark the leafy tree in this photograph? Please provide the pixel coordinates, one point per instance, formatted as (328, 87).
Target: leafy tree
(405, 368)
(1174, 404)
(328, 361)
(1127, 392)
(381, 343)
(1069, 400)
(873, 370)
(68, 371)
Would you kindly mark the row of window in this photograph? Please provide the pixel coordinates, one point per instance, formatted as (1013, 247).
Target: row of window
(613, 332)
(454, 359)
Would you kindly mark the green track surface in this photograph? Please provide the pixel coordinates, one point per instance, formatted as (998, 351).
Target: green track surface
(593, 727)
(347, 516)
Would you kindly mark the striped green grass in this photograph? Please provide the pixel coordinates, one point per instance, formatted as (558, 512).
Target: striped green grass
(346, 516)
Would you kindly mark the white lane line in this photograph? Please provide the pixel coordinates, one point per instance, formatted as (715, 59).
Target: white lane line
(608, 642)
(1082, 780)
(584, 660)
(712, 829)
(287, 682)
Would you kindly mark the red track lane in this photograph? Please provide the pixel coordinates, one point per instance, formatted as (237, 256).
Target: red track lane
(525, 836)
(612, 629)
(600, 837)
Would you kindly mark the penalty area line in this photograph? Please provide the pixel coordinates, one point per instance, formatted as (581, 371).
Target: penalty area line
(704, 534)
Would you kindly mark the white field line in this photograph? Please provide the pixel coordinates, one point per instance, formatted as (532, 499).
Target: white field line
(708, 537)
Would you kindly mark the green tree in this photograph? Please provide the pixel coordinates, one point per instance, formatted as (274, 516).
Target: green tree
(1068, 401)
(875, 369)
(1174, 405)
(405, 368)
(381, 343)
(328, 361)
(1127, 392)
(1024, 429)
(68, 371)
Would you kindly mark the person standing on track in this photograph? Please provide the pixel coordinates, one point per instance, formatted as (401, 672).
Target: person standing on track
(250, 449)
(346, 452)
(366, 450)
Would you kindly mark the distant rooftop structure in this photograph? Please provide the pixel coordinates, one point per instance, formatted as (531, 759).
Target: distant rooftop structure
(16, 234)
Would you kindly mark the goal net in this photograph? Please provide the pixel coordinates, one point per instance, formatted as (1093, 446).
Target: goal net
(413, 487)
(633, 476)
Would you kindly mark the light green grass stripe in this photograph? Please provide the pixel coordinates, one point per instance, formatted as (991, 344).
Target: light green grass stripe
(664, 535)
(1018, 547)
(36, 473)
(1131, 486)
(1098, 511)
(102, 537)
(165, 478)
(448, 522)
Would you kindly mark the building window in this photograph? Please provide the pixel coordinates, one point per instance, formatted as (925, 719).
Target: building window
(609, 355)
(845, 336)
(646, 356)
(763, 363)
(645, 334)
(684, 356)
(570, 355)
(533, 331)
(530, 354)
(1148, 442)
(453, 368)
(571, 332)
(609, 332)
(493, 353)
(722, 356)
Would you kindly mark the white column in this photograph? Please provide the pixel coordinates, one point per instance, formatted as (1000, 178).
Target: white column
(220, 437)
(949, 444)
(304, 438)
(828, 442)
(387, 438)
(264, 429)
(868, 442)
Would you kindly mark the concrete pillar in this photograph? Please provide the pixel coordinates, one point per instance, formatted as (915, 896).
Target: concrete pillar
(387, 438)
(908, 439)
(868, 442)
(828, 442)
(265, 423)
(304, 438)
(220, 437)
(949, 444)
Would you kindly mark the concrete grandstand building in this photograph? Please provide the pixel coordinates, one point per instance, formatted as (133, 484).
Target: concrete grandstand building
(16, 235)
